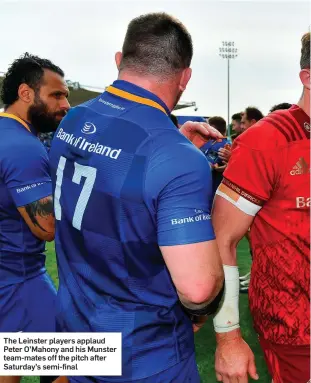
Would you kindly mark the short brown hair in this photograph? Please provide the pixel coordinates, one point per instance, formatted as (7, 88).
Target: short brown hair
(158, 44)
(305, 51)
(252, 113)
(218, 123)
(237, 116)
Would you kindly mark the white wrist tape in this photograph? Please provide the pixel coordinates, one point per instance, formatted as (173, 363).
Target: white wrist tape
(227, 317)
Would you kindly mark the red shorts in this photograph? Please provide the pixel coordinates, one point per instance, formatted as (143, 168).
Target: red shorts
(287, 364)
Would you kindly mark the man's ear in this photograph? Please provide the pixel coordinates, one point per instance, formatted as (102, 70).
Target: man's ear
(118, 59)
(305, 78)
(253, 122)
(185, 77)
(26, 94)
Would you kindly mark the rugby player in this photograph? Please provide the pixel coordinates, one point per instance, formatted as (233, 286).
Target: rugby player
(267, 187)
(35, 97)
(236, 125)
(134, 241)
(283, 105)
(250, 116)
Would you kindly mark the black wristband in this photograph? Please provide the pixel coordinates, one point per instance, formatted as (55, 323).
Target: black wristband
(209, 309)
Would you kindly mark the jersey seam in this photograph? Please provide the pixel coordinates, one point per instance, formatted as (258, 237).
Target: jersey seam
(145, 175)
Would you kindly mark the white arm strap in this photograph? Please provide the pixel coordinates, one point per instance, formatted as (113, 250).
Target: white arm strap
(227, 317)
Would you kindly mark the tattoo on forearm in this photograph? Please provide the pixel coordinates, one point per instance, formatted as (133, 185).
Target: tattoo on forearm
(40, 209)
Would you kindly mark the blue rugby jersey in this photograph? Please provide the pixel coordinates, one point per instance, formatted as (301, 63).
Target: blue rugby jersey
(24, 178)
(126, 182)
(210, 150)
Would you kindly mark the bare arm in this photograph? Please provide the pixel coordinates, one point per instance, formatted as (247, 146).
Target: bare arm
(40, 218)
(234, 359)
(196, 271)
(239, 198)
(228, 234)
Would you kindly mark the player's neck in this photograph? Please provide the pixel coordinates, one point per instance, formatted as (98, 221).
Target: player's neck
(304, 102)
(17, 111)
(161, 90)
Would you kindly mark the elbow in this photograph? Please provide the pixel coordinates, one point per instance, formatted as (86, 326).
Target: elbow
(218, 285)
(47, 236)
(205, 293)
(49, 233)
(215, 286)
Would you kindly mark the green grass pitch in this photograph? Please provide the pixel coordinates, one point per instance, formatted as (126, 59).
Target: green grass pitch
(205, 338)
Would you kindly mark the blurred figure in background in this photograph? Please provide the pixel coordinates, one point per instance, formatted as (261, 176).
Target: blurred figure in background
(282, 106)
(212, 147)
(46, 139)
(236, 125)
(250, 116)
(184, 119)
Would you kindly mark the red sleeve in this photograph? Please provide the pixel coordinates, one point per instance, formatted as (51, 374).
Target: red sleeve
(253, 170)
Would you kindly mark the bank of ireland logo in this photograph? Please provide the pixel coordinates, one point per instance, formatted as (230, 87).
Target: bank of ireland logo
(88, 128)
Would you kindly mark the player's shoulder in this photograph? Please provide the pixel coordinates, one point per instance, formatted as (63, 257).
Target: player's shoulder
(18, 140)
(266, 134)
(9, 127)
(289, 122)
(277, 129)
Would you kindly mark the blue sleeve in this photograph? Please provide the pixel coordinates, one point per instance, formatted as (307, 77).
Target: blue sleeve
(25, 172)
(210, 150)
(181, 183)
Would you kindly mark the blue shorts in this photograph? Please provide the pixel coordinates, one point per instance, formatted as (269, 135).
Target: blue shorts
(183, 372)
(28, 306)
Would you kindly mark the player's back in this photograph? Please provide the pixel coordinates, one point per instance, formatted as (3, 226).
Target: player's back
(21, 253)
(107, 156)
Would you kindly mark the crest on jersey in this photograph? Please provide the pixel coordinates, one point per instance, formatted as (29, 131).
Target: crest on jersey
(88, 128)
(307, 127)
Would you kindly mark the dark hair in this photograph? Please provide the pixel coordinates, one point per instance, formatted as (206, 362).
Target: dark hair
(27, 69)
(253, 113)
(157, 44)
(174, 120)
(305, 51)
(283, 105)
(237, 117)
(218, 123)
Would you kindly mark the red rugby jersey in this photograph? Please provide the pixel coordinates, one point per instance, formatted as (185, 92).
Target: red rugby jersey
(270, 174)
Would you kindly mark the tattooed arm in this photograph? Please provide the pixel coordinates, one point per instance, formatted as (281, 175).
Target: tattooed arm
(39, 217)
